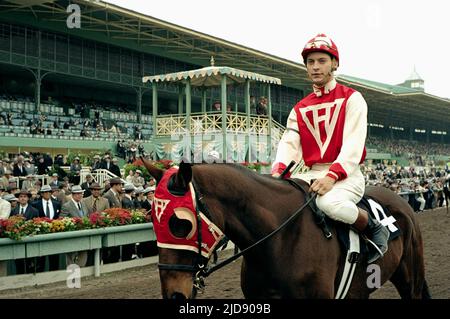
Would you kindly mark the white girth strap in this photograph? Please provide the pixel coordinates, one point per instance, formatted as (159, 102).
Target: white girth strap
(350, 265)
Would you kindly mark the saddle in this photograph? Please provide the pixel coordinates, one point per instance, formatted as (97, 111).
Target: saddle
(376, 210)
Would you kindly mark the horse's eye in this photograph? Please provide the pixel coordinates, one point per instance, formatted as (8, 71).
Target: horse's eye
(180, 228)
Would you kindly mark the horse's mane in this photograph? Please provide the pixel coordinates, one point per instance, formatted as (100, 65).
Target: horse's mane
(265, 180)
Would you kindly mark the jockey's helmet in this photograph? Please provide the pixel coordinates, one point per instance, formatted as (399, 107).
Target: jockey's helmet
(320, 43)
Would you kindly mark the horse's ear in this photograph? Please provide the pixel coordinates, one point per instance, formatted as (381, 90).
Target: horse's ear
(153, 170)
(184, 176)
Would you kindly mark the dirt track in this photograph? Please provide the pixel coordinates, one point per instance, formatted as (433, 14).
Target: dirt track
(143, 282)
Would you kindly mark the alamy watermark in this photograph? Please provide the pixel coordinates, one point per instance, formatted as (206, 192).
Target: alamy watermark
(74, 278)
(74, 19)
(374, 278)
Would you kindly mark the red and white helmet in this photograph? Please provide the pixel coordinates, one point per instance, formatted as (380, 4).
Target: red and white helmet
(320, 43)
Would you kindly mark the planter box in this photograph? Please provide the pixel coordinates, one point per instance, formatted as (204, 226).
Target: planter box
(65, 242)
(11, 249)
(49, 244)
(129, 234)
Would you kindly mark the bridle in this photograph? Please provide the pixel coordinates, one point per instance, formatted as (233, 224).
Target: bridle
(198, 269)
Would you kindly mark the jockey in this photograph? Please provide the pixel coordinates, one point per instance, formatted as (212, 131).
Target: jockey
(327, 129)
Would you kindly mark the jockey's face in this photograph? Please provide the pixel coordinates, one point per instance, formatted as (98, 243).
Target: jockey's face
(320, 68)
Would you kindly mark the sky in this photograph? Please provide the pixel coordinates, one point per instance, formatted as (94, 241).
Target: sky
(378, 40)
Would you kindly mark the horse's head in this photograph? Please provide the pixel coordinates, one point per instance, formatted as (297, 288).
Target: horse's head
(185, 236)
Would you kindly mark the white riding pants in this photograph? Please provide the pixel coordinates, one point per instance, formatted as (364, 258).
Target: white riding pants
(340, 202)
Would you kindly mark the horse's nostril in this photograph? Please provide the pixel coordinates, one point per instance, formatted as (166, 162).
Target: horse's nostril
(178, 296)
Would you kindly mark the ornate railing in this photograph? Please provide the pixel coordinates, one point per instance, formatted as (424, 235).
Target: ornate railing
(206, 123)
(211, 122)
(169, 125)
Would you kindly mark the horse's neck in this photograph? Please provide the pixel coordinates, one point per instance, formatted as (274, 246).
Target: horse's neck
(244, 207)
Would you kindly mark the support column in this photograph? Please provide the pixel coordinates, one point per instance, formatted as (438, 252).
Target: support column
(155, 107)
(180, 99)
(269, 124)
(203, 100)
(37, 96)
(223, 95)
(188, 122)
(188, 106)
(139, 104)
(247, 112)
(37, 92)
(97, 263)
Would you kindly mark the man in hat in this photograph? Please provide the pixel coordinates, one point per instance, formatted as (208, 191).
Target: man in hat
(75, 169)
(149, 193)
(4, 180)
(138, 180)
(95, 203)
(12, 188)
(87, 184)
(24, 208)
(75, 208)
(97, 163)
(19, 167)
(24, 265)
(47, 207)
(327, 130)
(5, 206)
(29, 183)
(139, 198)
(127, 200)
(106, 162)
(55, 193)
(113, 194)
(54, 181)
(115, 169)
(12, 199)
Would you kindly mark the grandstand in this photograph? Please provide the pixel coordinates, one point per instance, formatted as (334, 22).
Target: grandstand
(50, 70)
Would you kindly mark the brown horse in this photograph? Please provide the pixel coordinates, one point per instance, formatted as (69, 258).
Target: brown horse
(298, 262)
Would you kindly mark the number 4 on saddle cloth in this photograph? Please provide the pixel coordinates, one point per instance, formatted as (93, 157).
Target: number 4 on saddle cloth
(375, 209)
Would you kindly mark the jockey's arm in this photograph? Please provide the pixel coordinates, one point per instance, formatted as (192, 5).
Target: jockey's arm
(289, 147)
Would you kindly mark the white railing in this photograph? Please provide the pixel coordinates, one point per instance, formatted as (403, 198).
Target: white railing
(207, 123)
(99, 176)
(44, 179)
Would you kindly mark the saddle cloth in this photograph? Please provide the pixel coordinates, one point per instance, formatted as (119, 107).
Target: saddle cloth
(377, 211)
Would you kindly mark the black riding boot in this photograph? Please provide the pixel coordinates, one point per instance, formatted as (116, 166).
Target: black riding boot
(376, 233)
(379, 236)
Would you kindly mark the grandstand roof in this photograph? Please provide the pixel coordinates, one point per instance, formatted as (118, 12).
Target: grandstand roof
(382, 87)
(112, 24)
(107, 22)
(399, 105)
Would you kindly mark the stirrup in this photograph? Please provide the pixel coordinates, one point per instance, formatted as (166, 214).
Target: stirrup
(378, 252)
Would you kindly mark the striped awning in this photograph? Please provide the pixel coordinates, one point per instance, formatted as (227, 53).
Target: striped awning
(211, 76)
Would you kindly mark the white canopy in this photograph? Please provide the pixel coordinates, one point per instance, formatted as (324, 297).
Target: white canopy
(211, 76)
